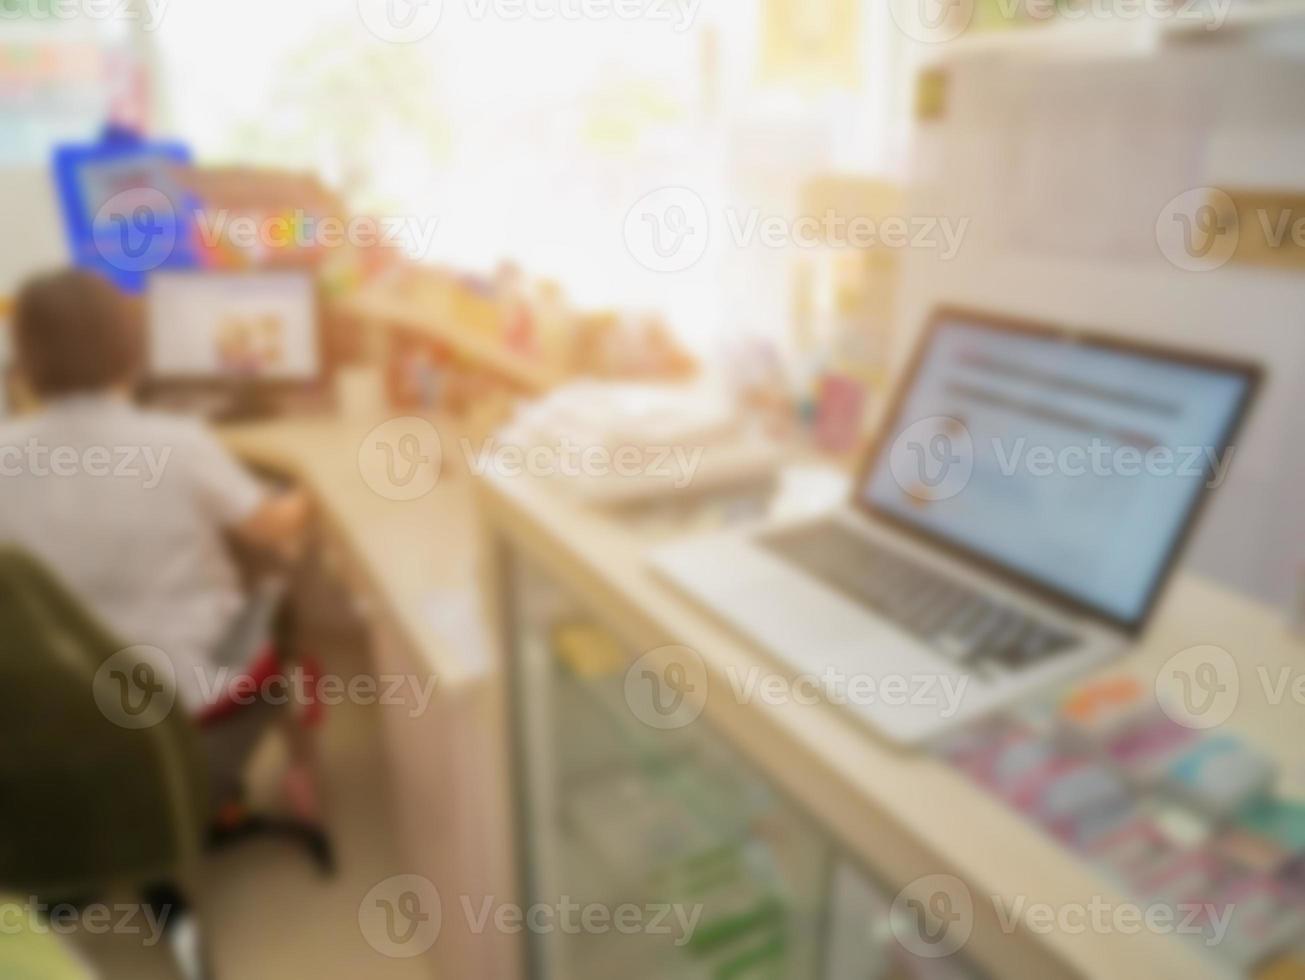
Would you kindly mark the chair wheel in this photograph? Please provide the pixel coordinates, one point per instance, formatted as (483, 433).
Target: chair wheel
(189, 950)
(322, 850)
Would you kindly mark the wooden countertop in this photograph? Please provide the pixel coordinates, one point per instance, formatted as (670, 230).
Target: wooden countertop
(408, 551)
(905, 813)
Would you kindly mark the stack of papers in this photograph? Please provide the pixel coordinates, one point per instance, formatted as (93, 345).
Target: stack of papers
(615, 442)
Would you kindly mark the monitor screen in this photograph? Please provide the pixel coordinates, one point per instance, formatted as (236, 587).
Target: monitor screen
(228, 326)
(1074, 464)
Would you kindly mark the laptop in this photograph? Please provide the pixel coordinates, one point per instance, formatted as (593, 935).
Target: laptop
(1012, 527)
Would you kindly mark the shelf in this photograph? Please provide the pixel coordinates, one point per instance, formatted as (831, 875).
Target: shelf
(484, 351)
(1266, 13)
(1064, 37)
(1048, 40)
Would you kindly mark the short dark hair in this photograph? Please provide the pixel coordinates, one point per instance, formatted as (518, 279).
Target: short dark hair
(75, 332)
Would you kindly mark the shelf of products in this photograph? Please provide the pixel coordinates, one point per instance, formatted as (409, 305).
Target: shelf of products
(476, 347)
(521, 333)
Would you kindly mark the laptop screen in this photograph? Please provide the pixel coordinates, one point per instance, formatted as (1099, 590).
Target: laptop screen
(1073, 463)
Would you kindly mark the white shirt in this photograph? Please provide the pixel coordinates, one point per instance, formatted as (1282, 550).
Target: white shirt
(127, 508)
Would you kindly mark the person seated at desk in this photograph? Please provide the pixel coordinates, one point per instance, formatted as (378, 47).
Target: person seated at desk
(129, 508)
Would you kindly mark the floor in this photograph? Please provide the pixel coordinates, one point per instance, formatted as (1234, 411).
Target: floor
(267, 912)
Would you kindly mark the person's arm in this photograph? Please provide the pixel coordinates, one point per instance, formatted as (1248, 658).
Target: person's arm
(244, 506)
(278, 522)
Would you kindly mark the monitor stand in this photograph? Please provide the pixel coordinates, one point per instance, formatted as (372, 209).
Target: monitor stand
(246, 403)
(227, 403)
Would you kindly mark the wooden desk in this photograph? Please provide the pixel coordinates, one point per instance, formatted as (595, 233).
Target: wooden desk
(903, 813)
(411, 566)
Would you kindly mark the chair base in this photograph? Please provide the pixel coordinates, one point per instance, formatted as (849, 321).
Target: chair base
(312, 837)
(182, 932)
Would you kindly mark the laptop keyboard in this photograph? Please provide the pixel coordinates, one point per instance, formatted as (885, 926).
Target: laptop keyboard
(964, 625)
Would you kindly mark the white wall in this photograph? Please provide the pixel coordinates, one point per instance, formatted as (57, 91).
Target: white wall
(33, 237)
(1063, 168)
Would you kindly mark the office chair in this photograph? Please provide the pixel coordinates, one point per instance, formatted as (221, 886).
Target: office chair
(93, 805)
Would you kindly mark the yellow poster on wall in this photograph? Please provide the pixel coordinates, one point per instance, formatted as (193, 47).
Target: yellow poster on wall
(811, 42)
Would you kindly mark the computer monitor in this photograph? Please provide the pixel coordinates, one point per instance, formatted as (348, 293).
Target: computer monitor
(1070, 462)
(247, 328)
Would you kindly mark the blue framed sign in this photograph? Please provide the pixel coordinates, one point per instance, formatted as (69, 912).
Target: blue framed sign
(125, 211)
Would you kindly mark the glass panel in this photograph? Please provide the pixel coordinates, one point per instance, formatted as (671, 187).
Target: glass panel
(687, 863)
(718, 874)
(862, 944)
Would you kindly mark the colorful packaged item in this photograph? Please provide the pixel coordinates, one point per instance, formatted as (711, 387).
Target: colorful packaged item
(1145, 748)
(1134, 851)
(1279, 820)
(1096, 712)
(1261, 922)
(1221, 775)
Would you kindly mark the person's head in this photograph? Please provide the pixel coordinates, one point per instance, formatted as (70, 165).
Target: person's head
(75, 333)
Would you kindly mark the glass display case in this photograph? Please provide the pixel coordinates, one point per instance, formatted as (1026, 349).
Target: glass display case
(674, 855)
